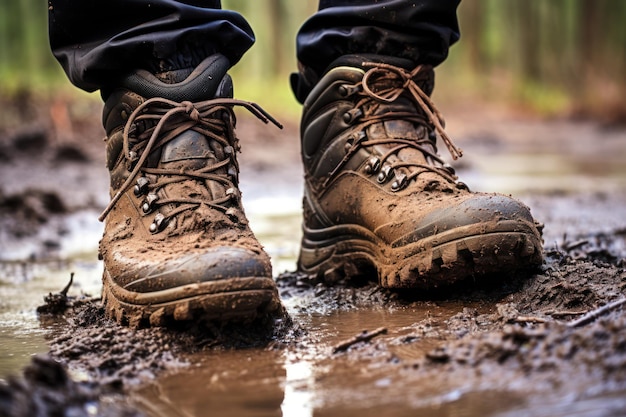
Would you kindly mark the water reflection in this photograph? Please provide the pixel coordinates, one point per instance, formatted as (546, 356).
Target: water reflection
(307, 378)
(253, 382)
(22, 288)
(226, 383)
(299, 389)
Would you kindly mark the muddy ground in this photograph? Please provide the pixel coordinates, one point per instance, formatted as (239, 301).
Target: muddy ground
(547, 343)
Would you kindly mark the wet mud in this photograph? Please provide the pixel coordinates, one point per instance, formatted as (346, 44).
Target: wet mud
(47, 389)
(548, 342)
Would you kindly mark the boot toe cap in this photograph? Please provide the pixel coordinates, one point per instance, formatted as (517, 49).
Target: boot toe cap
(215, 264)
(480, 212)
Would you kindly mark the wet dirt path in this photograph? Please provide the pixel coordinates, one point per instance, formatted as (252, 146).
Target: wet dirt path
(504, 350)
(309, 378)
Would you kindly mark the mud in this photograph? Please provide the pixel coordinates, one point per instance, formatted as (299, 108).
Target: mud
(506, 345)
(46, 389)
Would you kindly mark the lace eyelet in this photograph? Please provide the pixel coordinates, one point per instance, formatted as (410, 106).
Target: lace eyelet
(148, 204)
(346, 90)
(232, 193)
(141, 187)
(399, 183)
(236, 216)
(461, 186)
(348, 145)
(384, 174)
(372, 166)
(132, 160)
(449, 168)
(351, 115)
(159, 223)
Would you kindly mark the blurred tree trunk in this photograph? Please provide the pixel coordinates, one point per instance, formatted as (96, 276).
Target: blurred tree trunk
(276, 19)
(589, 27)
(472, 32)
(530, 36)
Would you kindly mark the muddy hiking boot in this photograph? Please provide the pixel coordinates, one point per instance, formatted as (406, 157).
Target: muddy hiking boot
(177, 244)
(378, 196)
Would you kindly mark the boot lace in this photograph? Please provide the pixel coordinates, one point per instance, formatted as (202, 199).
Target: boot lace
(168, 119)
(382, 85)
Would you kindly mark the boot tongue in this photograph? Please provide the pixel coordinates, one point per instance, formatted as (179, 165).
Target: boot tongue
(189, 150)
(192, 151)
(399, 129)
(406, 130)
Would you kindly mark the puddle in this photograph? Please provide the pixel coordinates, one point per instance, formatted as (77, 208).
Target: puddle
(307, 379)
(22, 288)
(521, 173)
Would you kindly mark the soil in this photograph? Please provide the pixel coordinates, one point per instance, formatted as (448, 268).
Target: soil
(550, 342)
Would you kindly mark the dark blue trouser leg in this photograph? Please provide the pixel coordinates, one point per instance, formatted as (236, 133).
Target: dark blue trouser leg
(419, 30)
(95, 40)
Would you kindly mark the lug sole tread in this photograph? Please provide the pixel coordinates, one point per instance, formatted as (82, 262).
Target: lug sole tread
(238, 305)
(426, 264)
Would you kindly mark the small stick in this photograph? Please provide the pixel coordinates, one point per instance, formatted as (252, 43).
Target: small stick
(594, 314)
(67, 287)
(565, 313)
(363, 337)
(575, 245)
(529, 319)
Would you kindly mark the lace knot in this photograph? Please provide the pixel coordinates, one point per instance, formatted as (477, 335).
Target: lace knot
(191, 110)
(386, 83)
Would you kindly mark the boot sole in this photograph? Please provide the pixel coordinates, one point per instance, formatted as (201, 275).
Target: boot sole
(226, 300)
(437, 261)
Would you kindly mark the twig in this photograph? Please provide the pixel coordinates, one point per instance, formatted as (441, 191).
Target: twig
(529, 319)
(56, 303)
(594, 314)
(565, 313)
(67, 287)
(363, 337)
(574, 245)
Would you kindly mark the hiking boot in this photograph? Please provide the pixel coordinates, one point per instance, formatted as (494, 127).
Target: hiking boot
(378, 196)
(177, 245)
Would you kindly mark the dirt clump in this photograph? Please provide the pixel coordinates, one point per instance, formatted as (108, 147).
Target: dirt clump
(22, 213)
(46, 389)
(110, 353)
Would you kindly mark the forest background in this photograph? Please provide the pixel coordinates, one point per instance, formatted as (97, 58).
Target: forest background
(549, 57)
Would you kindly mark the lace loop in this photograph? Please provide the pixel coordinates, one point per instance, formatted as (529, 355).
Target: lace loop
(384, 83)
(407, 82)
(173, 118)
